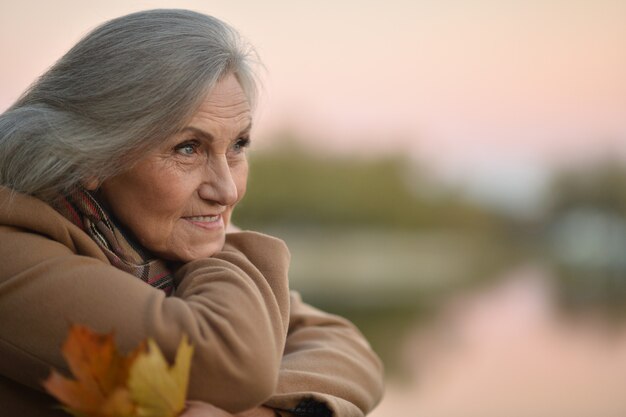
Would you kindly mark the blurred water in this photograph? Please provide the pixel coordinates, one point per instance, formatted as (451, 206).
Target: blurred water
(510, 350)
(382, 268)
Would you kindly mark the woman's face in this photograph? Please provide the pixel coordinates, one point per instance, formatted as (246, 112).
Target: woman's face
(178, 200)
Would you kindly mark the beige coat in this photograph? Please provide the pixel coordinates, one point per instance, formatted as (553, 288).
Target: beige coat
(255, 342)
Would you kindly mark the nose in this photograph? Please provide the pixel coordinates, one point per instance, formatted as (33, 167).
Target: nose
(218, 184)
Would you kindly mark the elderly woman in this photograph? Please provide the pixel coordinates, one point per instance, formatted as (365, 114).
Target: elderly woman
(119, 171)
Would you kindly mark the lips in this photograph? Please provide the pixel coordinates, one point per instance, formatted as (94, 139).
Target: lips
(204, 218)
(209, 222)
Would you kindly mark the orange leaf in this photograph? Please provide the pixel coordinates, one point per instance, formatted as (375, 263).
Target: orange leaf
(101, 375)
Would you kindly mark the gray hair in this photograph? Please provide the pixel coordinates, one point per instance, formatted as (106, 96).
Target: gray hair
(124, 88)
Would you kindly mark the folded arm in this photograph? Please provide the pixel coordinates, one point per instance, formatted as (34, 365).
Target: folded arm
(328, 368)
(234, 308)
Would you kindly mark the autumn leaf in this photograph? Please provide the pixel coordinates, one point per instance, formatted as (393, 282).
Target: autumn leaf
(100, 372)
(108, 384)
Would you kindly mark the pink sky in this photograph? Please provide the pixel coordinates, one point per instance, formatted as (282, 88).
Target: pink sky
(482, 91)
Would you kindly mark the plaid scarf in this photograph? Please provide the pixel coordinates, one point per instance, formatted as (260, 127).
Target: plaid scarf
(81, 208)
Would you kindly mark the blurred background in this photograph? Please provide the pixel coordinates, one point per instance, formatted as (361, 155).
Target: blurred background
(450, 175)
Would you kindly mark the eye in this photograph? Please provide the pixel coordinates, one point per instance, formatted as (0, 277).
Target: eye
(187, 148)
(241, 144)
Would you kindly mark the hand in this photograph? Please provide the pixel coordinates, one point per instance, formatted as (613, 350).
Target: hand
(200, 409)
(261, 411)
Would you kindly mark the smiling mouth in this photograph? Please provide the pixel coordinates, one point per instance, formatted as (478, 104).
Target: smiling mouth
(204, 218)
(206, 222)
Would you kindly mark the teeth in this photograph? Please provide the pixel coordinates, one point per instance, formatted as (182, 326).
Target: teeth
(204, 218)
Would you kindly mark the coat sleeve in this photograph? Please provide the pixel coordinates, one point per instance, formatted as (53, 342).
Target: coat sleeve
(328, 368)
(234, 307)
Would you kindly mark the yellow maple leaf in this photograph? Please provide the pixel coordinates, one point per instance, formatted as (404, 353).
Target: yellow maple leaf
(158, 389)
(108, 384)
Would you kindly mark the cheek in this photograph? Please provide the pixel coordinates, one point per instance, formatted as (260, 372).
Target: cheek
(147, 202)
(165, 197)
(155, 223)
(161, 199)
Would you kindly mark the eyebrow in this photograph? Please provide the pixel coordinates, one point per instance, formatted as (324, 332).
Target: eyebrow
(209, 136)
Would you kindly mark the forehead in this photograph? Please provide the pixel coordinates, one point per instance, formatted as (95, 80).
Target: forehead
(226, 102)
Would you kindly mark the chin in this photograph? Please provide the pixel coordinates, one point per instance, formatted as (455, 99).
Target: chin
(199, 252)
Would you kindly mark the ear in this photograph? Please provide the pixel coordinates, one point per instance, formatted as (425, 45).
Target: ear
(91, 183)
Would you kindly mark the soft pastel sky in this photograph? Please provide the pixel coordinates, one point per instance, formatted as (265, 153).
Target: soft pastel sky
(486, 92)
